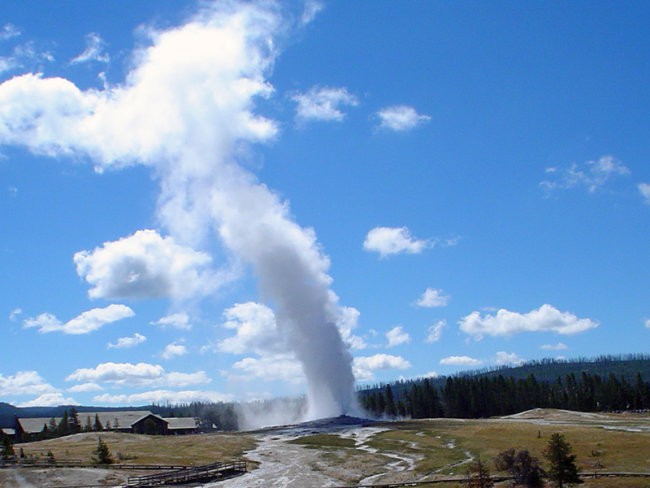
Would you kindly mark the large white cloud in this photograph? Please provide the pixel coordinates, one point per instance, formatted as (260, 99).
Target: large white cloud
(323, 103)
(146, 265)
(393, 240)
(137, 375)
(544, 319)
(365, 366)
(24, 383)
(400, 118)
(85, 323)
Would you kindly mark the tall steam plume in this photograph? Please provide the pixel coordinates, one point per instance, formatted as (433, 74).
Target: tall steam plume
(186, 111)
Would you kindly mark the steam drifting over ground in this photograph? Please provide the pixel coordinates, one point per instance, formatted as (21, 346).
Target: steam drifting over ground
(187, 111)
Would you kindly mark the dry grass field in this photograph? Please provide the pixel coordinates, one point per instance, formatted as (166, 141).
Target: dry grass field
(393, 451)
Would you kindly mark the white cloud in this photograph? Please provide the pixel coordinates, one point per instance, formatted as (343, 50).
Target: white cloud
(365, 366)
(400, 118)
(323, 103)
(504, 358)
(85, 323)
(136, 375)
(127, 342)
(164, 397)
(647, 323)
(311, 10)
(435, 331)
(393, 240)
(24, 383)
(85, 388)
(255, 328)
(49, 400)
(281, 367)
(9, 31)
(347, 321)
(554, 347)
(146, 265)
(397, 336)
(592, 175)
(15, 313)
(545, 319)
(433, 297)
(177, 320)
(94, 50)
(644, 189)
(174, 350)
(460, 361)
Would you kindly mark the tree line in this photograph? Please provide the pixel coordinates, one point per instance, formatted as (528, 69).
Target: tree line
(484, 396)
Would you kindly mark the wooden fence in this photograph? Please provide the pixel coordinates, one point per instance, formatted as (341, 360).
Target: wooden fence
(186, 475)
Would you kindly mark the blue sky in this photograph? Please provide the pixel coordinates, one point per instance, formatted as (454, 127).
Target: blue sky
(456, 185)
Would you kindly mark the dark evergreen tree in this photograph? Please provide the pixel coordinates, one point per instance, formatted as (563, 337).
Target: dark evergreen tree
(102, 454)
(562, 468)
(478, 475)
(97, 426)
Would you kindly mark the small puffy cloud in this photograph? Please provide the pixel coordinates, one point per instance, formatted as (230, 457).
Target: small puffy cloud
(24, 383)
(174, 350)
(85, 323)
(9, 31)
(347, 321)
(146, 265)
(85, 388)
(560, 346)
(591, 175)
(164, 397)
(504, 358)
(255, 328)
(647, 323)
(400, 118)
(397, 336)
(127, 342)
(433, 297)
(435, 331)
(364, 367)
(460, 361)
(505, 323)
(15, 313)
(49, 400)
(393, 240)
(136, 375)
(94, 50)
(644, 189)
(283, 367)
(176, 320)
(311, 10)
(323, 103)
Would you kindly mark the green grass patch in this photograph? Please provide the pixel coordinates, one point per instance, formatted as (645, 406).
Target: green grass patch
(324, 441)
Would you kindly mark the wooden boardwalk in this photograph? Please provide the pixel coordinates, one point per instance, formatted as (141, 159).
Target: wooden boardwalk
(197, 474)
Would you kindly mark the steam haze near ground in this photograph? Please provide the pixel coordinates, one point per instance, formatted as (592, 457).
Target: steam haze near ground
(186, 110)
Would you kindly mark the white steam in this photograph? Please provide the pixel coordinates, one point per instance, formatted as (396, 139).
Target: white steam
(186, 110)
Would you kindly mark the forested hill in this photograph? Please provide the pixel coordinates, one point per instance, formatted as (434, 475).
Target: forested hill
(550, 369)
(603, 384)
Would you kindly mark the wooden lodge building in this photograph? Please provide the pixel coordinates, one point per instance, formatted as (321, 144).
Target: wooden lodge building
(135, 421)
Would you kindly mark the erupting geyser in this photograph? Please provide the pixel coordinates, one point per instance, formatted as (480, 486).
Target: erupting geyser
(186, 110)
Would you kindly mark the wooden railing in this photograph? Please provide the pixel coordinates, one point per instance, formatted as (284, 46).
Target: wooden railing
(185, 475)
